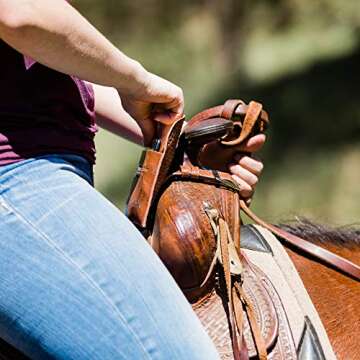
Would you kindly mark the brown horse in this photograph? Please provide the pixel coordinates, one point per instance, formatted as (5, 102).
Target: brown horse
(335, 296)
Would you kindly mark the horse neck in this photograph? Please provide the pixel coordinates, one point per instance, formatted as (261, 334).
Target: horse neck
(335, 297)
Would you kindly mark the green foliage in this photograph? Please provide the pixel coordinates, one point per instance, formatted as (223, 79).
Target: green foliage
(301, 58)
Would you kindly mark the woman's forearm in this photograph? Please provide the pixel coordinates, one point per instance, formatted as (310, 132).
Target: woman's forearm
(56, 35)
(111, 116)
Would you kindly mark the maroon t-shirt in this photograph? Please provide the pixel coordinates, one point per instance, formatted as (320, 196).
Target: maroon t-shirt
(42, 111)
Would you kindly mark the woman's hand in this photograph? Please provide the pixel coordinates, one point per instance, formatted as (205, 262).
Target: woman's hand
(153, 98)
(246, 170)
(54, 34)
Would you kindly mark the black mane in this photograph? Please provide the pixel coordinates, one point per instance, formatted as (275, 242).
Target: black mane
(345, 236)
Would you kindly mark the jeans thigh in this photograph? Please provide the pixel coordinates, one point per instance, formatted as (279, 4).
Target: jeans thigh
(78, 281)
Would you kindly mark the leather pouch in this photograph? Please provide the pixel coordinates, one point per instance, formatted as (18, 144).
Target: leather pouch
(152, 172)
(140, 200)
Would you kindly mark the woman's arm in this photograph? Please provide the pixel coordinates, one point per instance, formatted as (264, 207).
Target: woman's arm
(56, 35)
(111, 115)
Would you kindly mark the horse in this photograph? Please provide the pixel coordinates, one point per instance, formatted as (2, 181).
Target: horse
(335, 296)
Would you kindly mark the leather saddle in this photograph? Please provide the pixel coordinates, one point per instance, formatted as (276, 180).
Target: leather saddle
(188, 206)
(193, 223)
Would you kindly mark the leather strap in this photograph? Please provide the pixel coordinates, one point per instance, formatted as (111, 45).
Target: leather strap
(228, 281)
(251, 117)
(222, 255)
(215, 111)
(229, 108)
(250, 311)
(237, 119)
(335, 261)
(225, 180)
(237, 300)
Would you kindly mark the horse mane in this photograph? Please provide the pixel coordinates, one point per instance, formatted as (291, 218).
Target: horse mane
(344, 236)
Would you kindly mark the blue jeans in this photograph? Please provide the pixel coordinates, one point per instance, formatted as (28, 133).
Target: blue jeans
(77, 280)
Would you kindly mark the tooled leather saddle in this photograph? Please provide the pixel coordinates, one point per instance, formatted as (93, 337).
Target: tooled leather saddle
(188, 207)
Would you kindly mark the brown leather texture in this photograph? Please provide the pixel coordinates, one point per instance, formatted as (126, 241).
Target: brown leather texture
(182, 234)
(199, 252)
(152, 172)
(195, 225)
(140, 200)
(270, 316)
(217, 154)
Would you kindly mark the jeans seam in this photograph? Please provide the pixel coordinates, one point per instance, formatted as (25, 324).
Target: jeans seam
(42, 218)
(85, 275)
(141, 296)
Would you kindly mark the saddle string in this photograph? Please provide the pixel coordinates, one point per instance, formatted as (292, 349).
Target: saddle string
(222, 254)
(250, 312)
(222, 233)
(237, 300)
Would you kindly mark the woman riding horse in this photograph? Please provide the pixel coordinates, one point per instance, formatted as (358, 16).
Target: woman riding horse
(77, 280)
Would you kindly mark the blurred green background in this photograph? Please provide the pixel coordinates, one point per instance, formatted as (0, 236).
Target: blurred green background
(300, 58)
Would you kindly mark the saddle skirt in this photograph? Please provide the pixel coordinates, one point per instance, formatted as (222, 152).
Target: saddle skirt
(294, 308)
(289, 323)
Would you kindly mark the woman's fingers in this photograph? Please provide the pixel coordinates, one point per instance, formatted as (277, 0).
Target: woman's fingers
(246, 172)
(246, 190)
(251, 164)
(255, 143)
